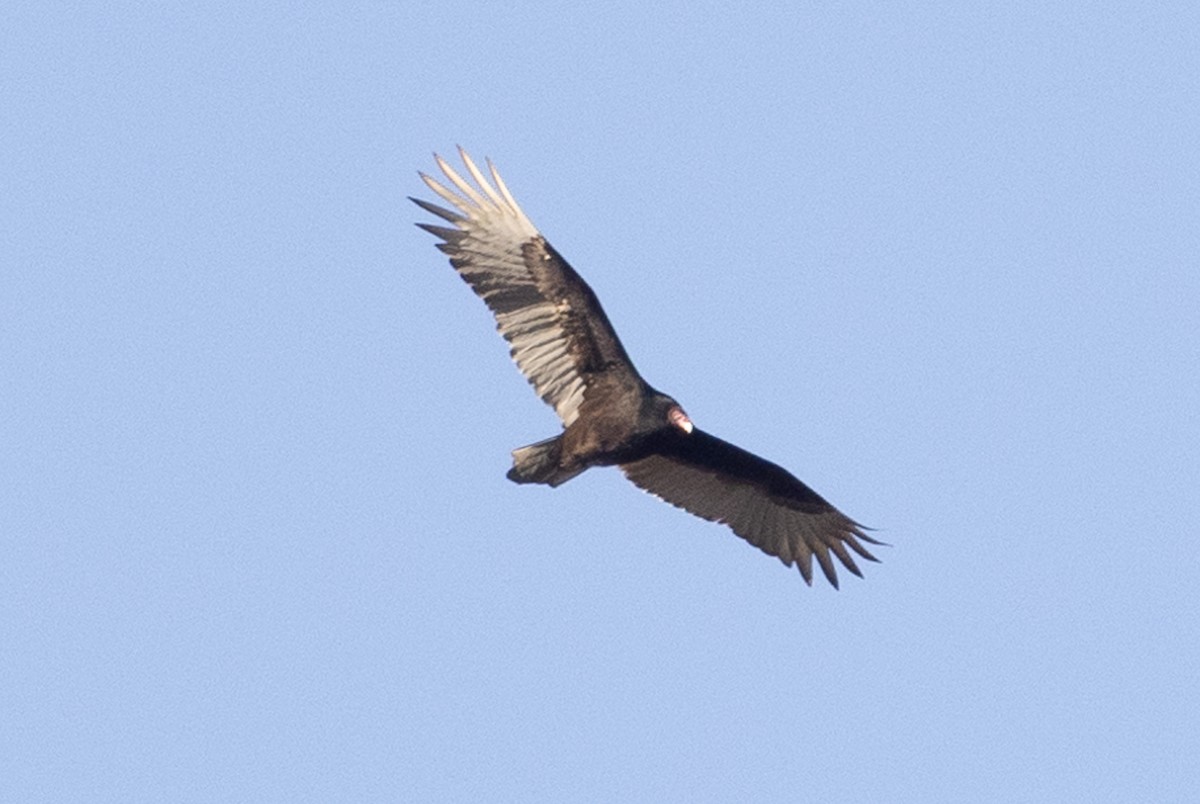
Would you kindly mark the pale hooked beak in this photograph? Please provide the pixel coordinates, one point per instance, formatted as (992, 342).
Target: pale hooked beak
(677, 417)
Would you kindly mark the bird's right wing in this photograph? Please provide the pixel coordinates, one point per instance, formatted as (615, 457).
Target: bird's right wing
(760, 501)
(559, 334)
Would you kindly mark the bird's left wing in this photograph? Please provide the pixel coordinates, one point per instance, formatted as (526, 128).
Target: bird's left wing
(761, 502)
(559, 334)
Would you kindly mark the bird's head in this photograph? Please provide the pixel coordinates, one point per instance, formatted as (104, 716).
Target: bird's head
(660, 412)
(678, 418)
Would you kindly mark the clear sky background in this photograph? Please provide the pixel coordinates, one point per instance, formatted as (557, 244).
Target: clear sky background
(256, 542)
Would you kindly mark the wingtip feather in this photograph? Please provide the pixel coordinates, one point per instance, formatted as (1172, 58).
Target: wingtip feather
(827, 567)
(462, 184)
(839, 550)
(434, 209)
(804, 564)
(479, 178)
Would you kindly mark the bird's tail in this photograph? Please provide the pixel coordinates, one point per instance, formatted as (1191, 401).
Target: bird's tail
(538, 463)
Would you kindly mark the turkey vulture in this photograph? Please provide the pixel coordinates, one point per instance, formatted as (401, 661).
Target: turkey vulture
(565, 346)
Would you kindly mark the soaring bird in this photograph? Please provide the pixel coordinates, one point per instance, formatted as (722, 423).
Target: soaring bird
(564, 344)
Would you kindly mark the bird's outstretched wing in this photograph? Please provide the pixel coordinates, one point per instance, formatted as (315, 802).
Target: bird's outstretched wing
(761, 502)
(559, 334)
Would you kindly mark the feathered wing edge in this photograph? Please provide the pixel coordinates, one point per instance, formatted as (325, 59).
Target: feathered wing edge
(494, 207)
(795, 530)
(500, 253)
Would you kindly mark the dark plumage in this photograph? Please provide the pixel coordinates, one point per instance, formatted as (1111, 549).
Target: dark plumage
(564, 344)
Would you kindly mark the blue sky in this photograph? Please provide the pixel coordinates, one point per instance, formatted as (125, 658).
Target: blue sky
(256, 541)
